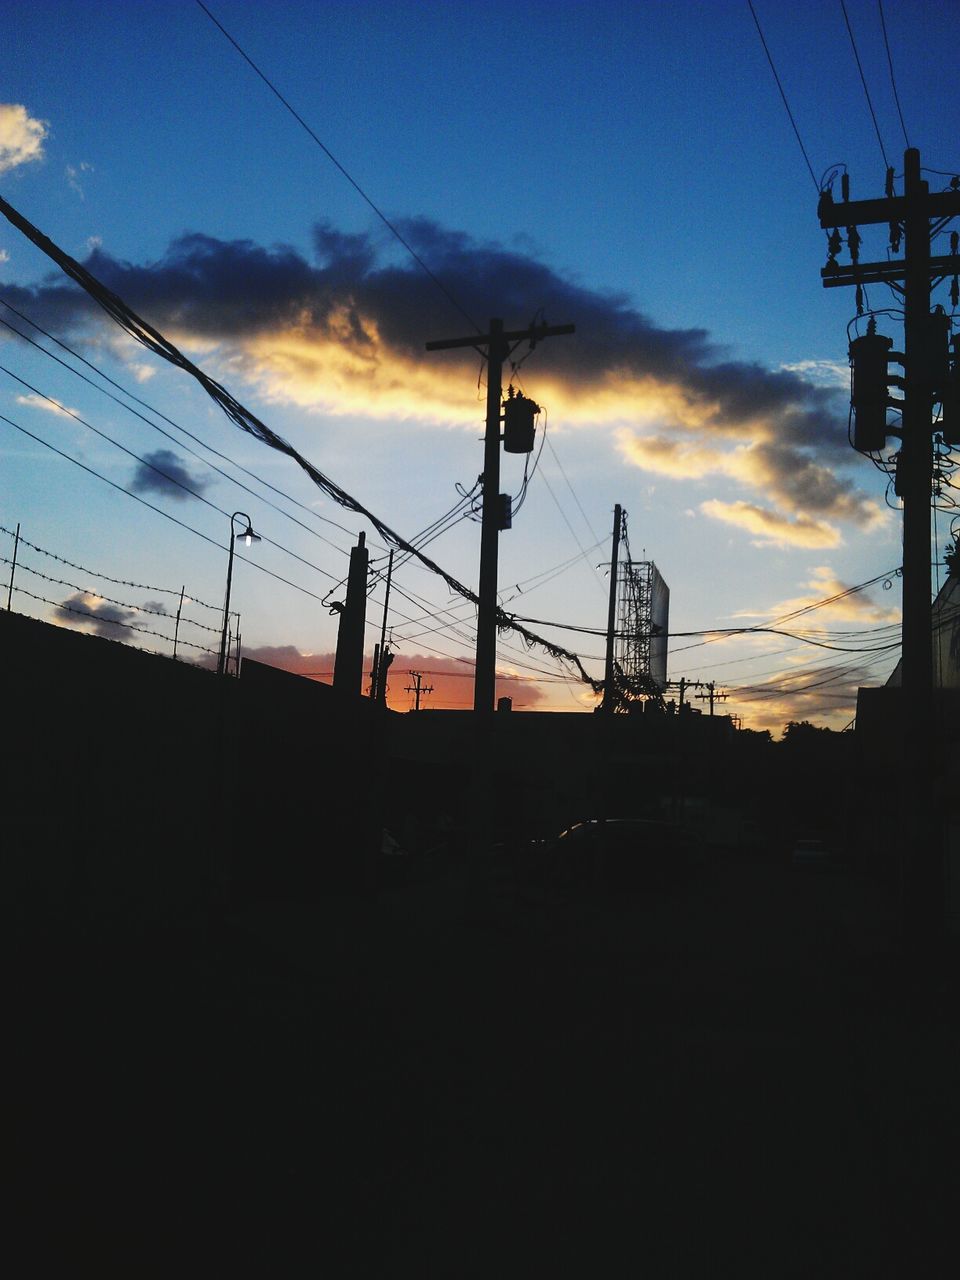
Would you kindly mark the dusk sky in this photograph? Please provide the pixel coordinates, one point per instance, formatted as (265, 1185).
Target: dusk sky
(628, 168)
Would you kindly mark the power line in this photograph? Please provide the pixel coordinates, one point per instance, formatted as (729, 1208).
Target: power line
(356, 186)
(146, 405)
(863, 81)
(154, 341)
(783, 95)
(893, 79)
(145, 462)
(160, 511)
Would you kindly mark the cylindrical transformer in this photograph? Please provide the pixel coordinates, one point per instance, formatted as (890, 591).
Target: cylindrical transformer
(938, 350)
(518, 423)
(950, 400)
(868, 355)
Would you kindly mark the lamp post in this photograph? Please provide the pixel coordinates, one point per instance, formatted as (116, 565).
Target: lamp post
(249, 537)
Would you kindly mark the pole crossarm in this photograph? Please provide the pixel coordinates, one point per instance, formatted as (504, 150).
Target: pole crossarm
(534, 334)
(834, 276)
(865, 213)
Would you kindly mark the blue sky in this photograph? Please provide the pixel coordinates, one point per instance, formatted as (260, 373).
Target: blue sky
(628, 168)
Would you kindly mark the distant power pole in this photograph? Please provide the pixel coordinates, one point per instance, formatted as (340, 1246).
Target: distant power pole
(418, 688)
(913, 218)
(711, 695)
(497, 344)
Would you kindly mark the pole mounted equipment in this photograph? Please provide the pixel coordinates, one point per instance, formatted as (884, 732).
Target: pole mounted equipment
(495, 347)
(913, 219)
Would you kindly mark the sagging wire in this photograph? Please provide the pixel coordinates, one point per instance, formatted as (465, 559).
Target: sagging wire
(150, 338)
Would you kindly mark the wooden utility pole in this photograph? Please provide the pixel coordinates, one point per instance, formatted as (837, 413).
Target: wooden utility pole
(915, 217)
(418, 688)
(609, 703)
(497, 344)
(348, 664)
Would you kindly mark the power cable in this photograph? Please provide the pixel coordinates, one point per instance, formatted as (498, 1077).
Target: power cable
(863, 81)
(893, 79)
(356, 186)
(783, 95)
(145, 462)
(206, 462)
(160, 511)
(154, 341)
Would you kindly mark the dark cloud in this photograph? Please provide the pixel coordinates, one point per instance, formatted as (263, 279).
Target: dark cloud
(357, 284)
(164, 473)
(110, 621)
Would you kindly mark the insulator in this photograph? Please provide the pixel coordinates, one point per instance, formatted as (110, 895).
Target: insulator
(889, 183)
(519, 415)
(895, 236)
(854, 241)
(955, 292)
(845, 186)
(859, 297)
(834, 243)
(950, 416)
(868, 355)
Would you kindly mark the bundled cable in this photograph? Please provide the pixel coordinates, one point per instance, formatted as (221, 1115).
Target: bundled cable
(154, 341)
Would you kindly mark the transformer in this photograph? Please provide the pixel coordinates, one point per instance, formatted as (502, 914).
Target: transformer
(950, 400)
(519, 415)
(869, 355)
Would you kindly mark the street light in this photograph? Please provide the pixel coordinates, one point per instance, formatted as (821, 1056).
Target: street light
(249, 537)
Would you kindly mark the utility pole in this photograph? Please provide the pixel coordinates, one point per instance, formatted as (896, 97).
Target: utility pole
(609, 703)
(418, 688)
(711, 695)
(497, 343)
(348, 664)
(916, 216)
(378, 680)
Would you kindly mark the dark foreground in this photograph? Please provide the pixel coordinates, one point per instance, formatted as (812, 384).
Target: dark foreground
(729, 1077)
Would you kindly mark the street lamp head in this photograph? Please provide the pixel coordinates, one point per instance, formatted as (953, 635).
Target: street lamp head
(246, 534)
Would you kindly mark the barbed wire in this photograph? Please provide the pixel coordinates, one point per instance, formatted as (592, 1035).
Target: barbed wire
(122, 604)
(111, 622)
(118, 582)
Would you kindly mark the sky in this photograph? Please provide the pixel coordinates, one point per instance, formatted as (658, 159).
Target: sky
(631, 169)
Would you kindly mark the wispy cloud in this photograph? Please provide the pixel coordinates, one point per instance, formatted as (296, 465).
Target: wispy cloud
(74, 172)
(868, 606)
(21, 136)
(47, 404)
(771, 528)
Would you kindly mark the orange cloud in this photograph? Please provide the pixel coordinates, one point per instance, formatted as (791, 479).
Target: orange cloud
(772, 528)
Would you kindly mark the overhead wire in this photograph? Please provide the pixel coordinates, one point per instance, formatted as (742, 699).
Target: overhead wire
(64, 346)
(793, 123)
(154, 341)
(863, 81)
(391, 227)
(159, 510)
(145, 462)
(893, 79)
